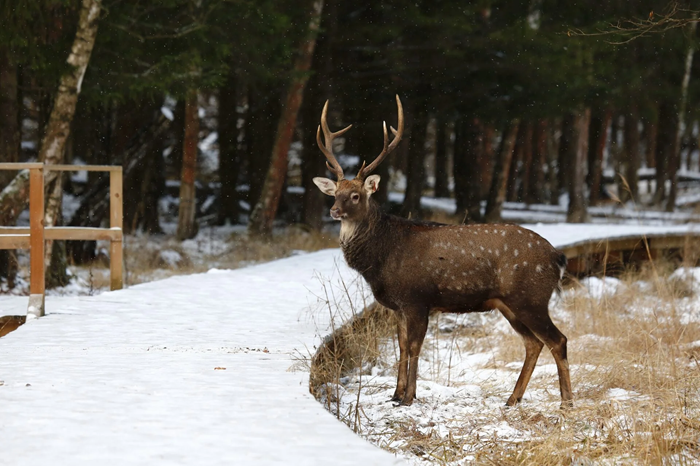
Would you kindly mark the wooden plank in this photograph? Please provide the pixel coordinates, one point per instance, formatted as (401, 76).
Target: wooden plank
(36, 241)
(14, 230)
(20, 166)
(69, 233)
(116, 253)
(82, 234)
(80, 168)
(14, 241)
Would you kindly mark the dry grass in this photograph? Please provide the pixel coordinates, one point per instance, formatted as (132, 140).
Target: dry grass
(635, 373)
(156, 257)
(148, 258)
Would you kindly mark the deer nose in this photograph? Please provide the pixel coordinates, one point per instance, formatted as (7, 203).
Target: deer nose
(335, 213)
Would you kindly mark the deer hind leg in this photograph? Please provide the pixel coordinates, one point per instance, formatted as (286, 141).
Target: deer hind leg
(417, 325)
(533, 347)
(402, 378)
(543, 327)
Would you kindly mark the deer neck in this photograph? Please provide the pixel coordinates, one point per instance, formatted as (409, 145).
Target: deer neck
(362, 241)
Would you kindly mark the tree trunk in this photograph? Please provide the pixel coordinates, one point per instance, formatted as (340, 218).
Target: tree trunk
(187, 227)
(535, 186)
(499, 181)
(415, 173)
(578, 152)
(563, 157)
(553, 143)
(442, 188)
(650, 133)
(600, 120)
(675, 161)
(665, 147)
(9, 145)
(229, 157)
(9, 113)
(265, 210)
(319, 90)
(527, 162)
(263, 112)
(486, 159)
(314, 163)
(468, 150)
(516, 165)
(53, 144)
(631, 156)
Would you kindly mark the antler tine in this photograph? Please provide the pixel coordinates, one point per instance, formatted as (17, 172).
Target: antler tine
(327, 148)
(364, 171)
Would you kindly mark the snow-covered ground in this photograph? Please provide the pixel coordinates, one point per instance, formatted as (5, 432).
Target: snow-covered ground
(199, 369)
(212, 369)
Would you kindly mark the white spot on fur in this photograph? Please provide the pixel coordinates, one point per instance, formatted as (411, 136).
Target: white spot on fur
(463, 251)
(516, 253)
(525, 264)
(497, 253)
(520, 232)
(538, 269)
(505, 247)
(503, 232)
(529, 245)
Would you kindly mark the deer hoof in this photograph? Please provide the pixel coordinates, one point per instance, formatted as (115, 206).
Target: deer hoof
(512, 401)
(567, 404)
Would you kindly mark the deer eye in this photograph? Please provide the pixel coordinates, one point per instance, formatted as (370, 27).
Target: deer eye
(355, 197)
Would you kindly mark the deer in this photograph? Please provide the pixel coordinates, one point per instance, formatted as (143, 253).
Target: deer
(415, 268)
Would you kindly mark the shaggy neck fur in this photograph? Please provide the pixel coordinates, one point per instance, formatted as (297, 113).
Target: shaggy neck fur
(368, 242)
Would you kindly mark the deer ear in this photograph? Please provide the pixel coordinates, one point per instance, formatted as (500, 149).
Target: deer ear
(325, 185)
(372, 184)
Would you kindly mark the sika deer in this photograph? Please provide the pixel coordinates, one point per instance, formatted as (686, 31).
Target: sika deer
(415, 267)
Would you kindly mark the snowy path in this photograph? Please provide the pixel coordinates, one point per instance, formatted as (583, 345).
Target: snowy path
(130, 377)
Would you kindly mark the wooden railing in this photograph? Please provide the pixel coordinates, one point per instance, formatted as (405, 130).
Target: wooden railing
(33, 238)
(591, 256)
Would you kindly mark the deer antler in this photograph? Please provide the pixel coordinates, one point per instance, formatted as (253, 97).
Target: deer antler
(327, 150)
(364, 171)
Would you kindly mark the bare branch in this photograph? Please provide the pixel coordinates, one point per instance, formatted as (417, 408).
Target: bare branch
(632, 29)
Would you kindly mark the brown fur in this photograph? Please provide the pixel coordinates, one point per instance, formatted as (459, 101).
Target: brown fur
(415, 267)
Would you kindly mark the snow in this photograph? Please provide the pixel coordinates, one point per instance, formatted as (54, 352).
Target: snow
(199, 369)
(572, 234)
(212, 369)
(599, 288)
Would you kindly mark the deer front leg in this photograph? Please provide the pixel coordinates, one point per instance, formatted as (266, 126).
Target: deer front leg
(417, 325)
(402, 377)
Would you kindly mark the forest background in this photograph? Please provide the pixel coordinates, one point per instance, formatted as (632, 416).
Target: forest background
(214, 104)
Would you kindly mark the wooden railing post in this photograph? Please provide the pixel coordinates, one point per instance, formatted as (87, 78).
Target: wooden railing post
(116, 255)
(36, 243)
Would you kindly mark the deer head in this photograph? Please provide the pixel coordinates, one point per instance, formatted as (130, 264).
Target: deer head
(352, 196)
